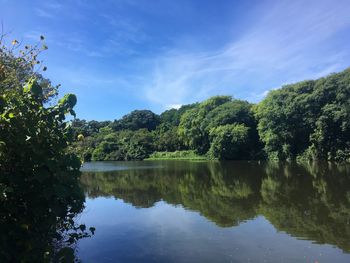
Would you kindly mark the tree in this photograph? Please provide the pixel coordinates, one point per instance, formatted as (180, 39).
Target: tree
(88, 128)
(198, 125)
(172, 117)
(190, 127)
(230, 142)
(308, 119)
(137, 119)
(235, 111)
(166, 139)
(124, 145)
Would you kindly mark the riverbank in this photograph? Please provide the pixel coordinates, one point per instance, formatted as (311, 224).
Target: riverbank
(177, 155)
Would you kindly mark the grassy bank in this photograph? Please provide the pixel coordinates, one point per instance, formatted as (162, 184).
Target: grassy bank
(177, 155)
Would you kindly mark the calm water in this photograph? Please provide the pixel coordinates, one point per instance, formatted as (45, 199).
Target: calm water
(174, 211)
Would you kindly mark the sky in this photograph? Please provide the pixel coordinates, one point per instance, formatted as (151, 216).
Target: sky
(122, 55)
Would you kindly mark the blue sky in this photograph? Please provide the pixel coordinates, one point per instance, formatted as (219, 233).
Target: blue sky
(121, 55)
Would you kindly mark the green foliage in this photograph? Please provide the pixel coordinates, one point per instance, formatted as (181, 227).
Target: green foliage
(137, 119)
(177, 155)
(124, 145)
(40, 193)
(166, 139)
(230, 142)
(191, 130)
(134, 137)
(236, 111)
(200, 124)
(172, 117)
(19, 64)
(309, 119)
(88, 128)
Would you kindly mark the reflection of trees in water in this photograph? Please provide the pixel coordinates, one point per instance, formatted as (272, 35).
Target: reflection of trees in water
(37, 223)
(306, 201)
(311, 204)
(204, 187)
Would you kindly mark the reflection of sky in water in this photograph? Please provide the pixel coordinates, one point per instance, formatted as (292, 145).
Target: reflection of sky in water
(167, 233)
(117, 166)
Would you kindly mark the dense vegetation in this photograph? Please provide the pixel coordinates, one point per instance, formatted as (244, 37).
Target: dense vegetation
(307, 120)
(40, 193)
(178, 155)
(219, 127)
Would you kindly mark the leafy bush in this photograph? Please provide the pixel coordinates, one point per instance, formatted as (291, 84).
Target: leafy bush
(39, 182)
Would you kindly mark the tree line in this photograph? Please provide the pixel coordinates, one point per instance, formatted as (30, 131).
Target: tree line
(308, 120)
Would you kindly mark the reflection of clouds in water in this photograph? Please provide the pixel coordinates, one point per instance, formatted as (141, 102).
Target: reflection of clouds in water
(184, 196)
(168, 233)
(111, 212)
(170, 217)
(116, 166)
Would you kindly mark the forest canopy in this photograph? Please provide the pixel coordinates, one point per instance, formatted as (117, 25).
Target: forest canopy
(308, 120)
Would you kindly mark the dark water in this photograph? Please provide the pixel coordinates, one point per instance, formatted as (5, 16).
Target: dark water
(174, 211)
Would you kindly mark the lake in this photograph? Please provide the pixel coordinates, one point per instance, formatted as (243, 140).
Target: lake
(183, 211)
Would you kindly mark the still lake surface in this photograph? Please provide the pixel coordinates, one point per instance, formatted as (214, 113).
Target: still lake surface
(182, 211)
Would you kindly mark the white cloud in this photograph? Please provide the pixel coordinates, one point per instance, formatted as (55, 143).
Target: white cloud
(289, 41)
(174, 106)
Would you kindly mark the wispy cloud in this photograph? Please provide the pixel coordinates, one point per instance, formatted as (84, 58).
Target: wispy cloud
(48, 9)
(138, 54)
(43, 13)
(53, 5)
(288, 42)
(114, 36)
(123, 35)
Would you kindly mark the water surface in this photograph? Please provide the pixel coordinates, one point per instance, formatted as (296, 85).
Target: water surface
(178, 211)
